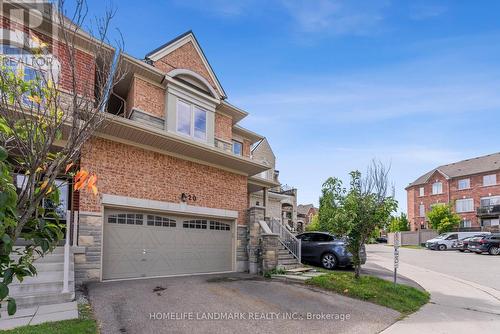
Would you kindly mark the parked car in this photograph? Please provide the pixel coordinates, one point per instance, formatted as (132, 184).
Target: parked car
(488, 243)
(462, 244)
(381, 240)
(326, 249)
(444, 241)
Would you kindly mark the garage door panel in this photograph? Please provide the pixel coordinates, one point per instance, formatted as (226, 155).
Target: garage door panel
(158, 245)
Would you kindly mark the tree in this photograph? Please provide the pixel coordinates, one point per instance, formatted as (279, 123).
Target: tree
(314, 224)
(442, 218)
(399, 224)
(356, 212)
(42, 131)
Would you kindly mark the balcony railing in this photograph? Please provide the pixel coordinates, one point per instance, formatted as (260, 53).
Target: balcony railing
(488, 210)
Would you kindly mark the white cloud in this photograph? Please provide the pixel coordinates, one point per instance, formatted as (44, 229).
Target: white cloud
(336, 17)
(426, 11)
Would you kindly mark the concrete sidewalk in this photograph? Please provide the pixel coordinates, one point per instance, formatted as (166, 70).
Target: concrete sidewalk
(457, 306)
(39, 314)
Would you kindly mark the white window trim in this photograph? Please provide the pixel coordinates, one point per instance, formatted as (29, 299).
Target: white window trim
(191, 130)
(232, 146)
(458, 184)
(421, 192)
(437, 193)
(462, 200)
(492, 184)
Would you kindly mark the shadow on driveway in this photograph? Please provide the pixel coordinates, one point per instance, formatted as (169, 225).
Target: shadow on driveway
(250, 304)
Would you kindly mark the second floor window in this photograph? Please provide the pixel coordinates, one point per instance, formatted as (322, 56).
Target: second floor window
(463, 184)
(465, 205)
(421, 210)
(437, 188)
(237, 147)
(466, 223)
(421, 192)
(490, 180)
(191, 120)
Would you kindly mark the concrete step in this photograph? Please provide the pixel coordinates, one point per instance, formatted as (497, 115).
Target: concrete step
(289, 266)
(51, 266)
(299, 270)
(39, 314)
(39, 287)
(286, 257)
(291, 278)
(35, 299)
(45, 277)
(313, 274)
(288, 261)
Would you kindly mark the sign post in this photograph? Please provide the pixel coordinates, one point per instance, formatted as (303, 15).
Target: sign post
(397, 243)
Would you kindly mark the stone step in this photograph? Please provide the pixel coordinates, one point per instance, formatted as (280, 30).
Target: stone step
(43, 298)
(286, 256)
(312, 274)
(289, 266)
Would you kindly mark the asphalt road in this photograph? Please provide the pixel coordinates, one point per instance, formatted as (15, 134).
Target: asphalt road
(482, 269)
(262, 305)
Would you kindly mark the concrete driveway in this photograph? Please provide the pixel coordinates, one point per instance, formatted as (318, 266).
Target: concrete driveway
(183, 304)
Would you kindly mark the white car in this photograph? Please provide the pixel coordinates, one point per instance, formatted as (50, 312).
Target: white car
(444, 241)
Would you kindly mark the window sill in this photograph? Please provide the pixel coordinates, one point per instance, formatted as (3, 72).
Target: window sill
(490, 185)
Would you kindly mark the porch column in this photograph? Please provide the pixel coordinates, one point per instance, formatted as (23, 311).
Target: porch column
(265, 198)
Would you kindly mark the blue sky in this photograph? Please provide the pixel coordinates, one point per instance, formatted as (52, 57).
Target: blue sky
(334, 84)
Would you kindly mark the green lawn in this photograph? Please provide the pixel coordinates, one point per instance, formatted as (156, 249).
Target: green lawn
(402, 298)
(84, 325)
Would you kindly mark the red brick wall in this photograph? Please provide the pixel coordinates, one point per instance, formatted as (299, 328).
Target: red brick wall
(130, 171)
(85, 64)
(184, 57)
(146, 97)
(476, 191)
(246, 147)
(223, 127)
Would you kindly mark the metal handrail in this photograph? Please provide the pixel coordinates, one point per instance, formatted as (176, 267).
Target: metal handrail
(287, 238)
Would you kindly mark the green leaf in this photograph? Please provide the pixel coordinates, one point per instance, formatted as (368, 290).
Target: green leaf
(3, 154)
(8, 275)
(11, 306)
(4, 291)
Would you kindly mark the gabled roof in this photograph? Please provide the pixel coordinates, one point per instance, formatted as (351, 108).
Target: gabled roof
(179, 41)
(304, 208)
(483, 164)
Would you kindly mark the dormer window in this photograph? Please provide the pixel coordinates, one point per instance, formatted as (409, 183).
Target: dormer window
(191, 120)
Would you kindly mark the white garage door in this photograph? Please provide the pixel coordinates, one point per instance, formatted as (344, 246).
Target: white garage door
(146, 244)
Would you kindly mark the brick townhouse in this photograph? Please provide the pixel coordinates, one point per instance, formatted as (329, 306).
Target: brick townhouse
(472, 186)
(174, 168)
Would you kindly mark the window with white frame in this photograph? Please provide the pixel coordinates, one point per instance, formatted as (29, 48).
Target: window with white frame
(490, 180)
(437, 188)
(237, 147)
(191, 120)
(464, 205)
(466, 223)
(421, 210)
(463, 184)
(421, 192)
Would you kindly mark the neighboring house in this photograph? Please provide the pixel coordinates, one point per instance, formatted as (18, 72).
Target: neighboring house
(305, 213)
(281, 200)
(472, 186)
(174, 169)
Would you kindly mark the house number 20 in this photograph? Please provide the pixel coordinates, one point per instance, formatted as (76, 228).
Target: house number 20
(188, 197)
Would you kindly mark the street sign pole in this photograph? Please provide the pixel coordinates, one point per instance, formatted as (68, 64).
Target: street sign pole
(397, 243)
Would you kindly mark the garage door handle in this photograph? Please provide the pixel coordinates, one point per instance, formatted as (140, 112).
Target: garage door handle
(144, 251)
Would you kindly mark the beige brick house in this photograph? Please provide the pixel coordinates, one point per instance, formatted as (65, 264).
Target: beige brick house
(281, 201)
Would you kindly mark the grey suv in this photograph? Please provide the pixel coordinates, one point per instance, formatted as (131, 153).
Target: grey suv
(326, 249)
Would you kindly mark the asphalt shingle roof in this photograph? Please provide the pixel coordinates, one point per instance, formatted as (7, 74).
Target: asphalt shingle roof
(487, 163)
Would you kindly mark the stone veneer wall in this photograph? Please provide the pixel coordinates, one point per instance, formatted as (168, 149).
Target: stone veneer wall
(88, 264)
